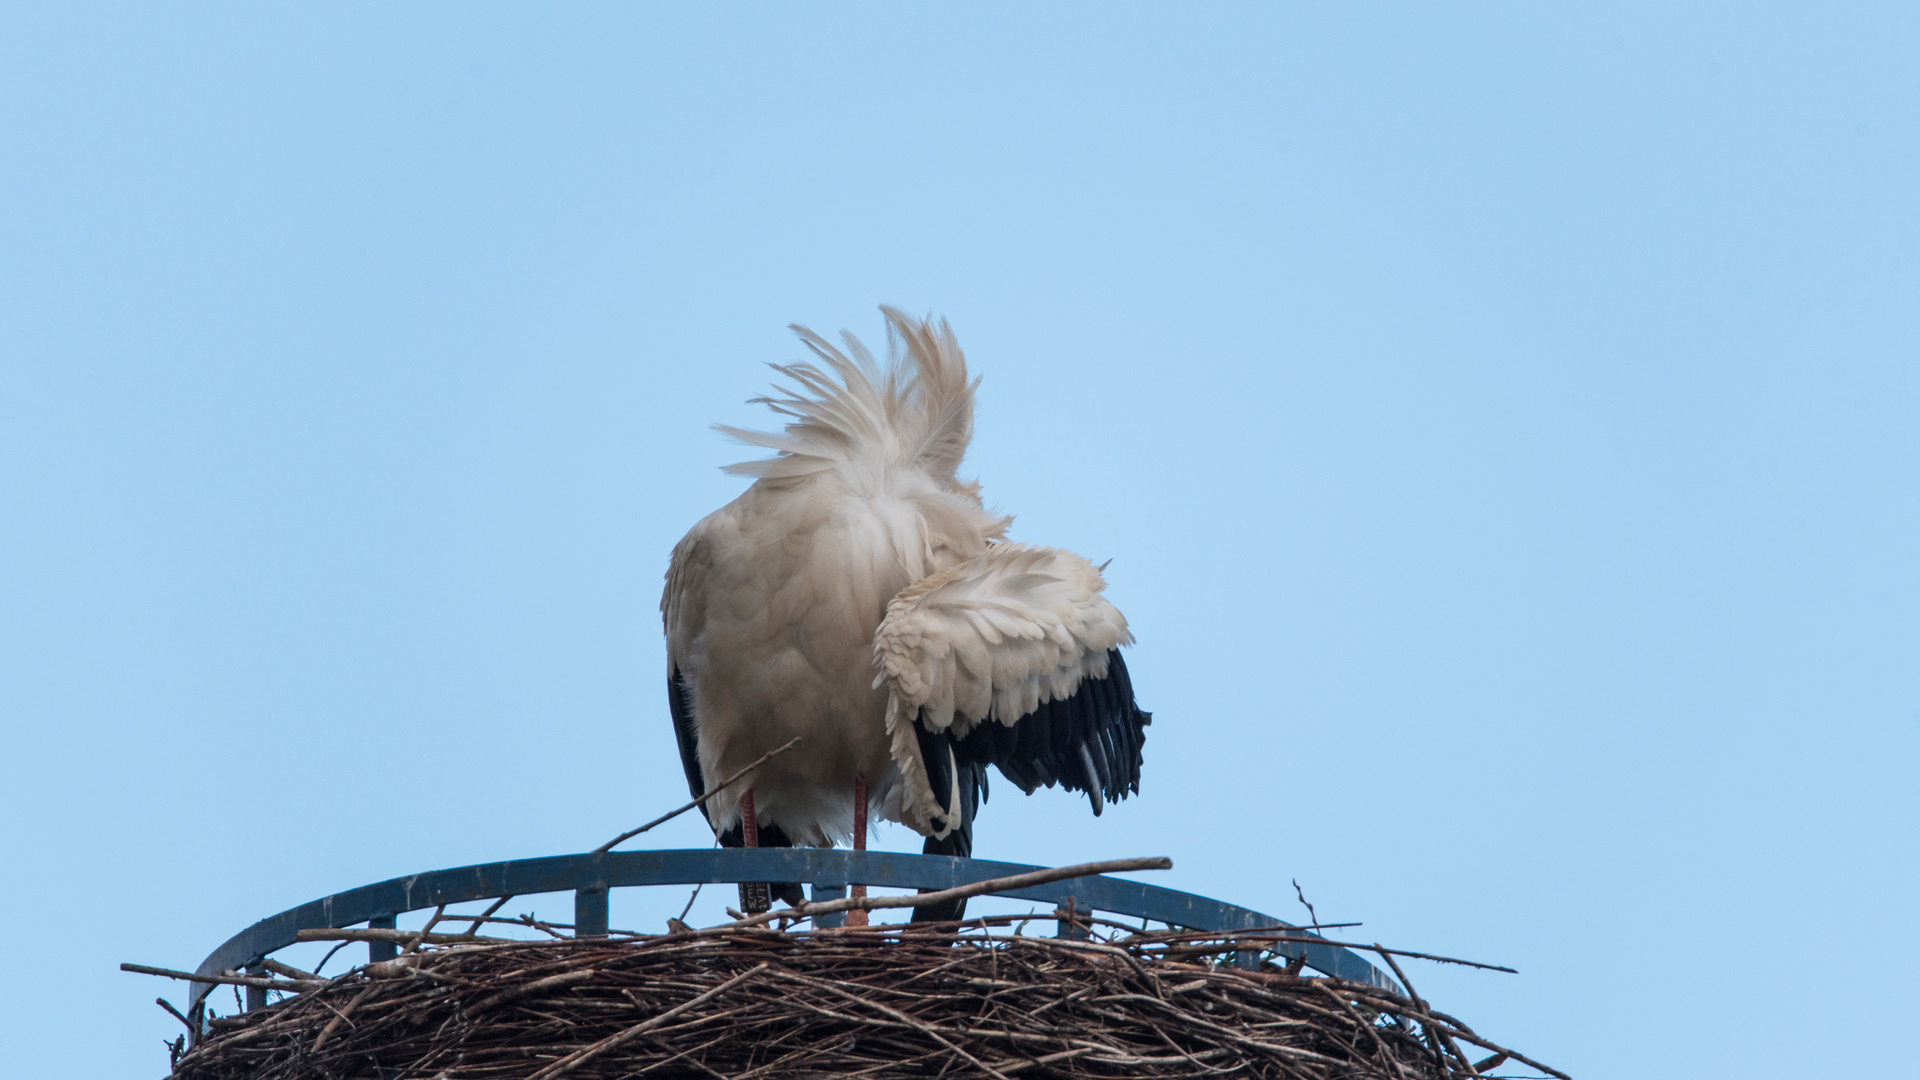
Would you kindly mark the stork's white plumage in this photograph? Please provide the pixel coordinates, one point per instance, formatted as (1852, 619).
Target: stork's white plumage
(860, 596)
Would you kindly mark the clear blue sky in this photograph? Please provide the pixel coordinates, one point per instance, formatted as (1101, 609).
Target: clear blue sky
(1501, 419)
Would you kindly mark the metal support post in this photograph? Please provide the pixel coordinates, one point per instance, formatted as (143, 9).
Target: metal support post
(378, 951)
(822, 891)
(256, 995)
(590, 912)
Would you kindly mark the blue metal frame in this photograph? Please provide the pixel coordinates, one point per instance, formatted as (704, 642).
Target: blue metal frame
(829, 871)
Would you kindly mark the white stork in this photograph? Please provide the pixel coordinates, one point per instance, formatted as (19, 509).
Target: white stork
(860, 596)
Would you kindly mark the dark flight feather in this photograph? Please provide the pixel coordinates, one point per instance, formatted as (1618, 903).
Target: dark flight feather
(754, 895)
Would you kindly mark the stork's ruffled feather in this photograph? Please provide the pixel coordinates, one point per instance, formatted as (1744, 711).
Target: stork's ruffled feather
(996, 635)
(990, 641)
(916, 412)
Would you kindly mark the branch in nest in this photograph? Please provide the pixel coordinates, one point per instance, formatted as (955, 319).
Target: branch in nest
(978, 888)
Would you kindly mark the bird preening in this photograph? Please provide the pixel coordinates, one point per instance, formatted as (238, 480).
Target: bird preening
(860, 596)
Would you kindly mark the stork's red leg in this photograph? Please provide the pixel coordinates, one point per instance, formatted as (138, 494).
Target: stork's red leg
(857, 917)
(755, 896)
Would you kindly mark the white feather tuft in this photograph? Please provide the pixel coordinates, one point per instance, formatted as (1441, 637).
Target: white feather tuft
(914, 412)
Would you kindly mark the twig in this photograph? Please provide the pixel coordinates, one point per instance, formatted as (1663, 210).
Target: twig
(671, 814)
(483, 916)
(978, 888)
(510, 920)
(1440, 1044)
(1467, 1036)
(537, 986)
(399, 937)
(1282, 934)
(288, 970)
(684, 1053)
(438, 913)
(321, 966)
(339, 1017)
(173, 1012)
(1403, 952)
(261, 981)
(527, 919)
(1301, 893)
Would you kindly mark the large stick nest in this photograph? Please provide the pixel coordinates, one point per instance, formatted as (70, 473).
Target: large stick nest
(880, 1002)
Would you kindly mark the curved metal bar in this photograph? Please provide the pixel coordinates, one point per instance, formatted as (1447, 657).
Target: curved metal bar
(823, 867)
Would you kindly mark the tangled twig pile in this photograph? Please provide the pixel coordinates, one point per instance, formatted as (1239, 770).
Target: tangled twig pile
(889, 1001)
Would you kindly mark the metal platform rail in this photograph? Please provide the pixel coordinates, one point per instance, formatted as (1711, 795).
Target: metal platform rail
(828, 871)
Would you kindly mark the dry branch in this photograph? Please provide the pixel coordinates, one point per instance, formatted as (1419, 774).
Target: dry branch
(265, 983)
(960, 892)
(398, 937)
(717, 789)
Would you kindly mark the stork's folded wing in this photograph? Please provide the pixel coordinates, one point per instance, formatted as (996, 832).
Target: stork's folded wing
(1008, 659)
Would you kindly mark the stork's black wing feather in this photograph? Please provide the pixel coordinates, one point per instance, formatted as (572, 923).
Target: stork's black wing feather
(680, 703)
(944, 766)
(959, 844)
(1088, 741)
(753, 895)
